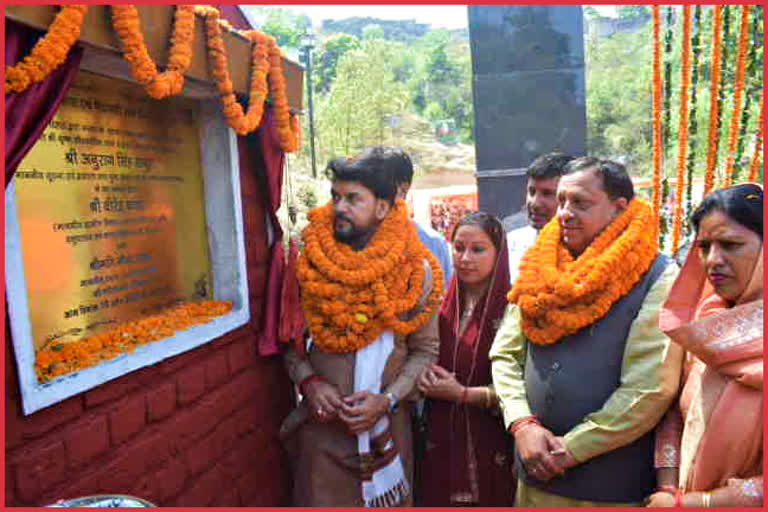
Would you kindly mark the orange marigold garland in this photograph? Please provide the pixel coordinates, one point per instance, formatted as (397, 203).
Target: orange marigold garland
(127, 24)
(60, 358)
(350, 297)
(756, 156)
(656, 199)
(267, 62)
(558, 295)
(49, 52)
(682, 141)
(738, 88)
(714, 85)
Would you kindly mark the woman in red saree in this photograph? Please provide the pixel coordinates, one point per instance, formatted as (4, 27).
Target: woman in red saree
(709, 449)
(468, 458)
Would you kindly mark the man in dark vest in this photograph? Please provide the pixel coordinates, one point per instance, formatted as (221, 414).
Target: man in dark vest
(581, 368)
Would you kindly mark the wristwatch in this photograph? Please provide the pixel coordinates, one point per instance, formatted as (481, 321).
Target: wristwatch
(393, 403)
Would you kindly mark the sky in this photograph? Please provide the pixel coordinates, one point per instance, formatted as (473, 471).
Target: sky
(439, 16)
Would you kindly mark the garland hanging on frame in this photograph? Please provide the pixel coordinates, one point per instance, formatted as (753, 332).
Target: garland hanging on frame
(682, 145)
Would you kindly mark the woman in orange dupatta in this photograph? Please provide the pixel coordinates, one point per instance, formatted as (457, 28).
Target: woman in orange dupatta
(709, 450)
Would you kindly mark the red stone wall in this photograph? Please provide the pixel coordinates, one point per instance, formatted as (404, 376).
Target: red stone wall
(198, 429)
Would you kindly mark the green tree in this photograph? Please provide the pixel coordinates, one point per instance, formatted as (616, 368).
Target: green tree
(353, 113)
(284, 24)
(633, 11)
(327, 58)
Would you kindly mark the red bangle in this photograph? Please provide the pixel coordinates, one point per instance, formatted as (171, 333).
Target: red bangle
(678, 498)
(306, 380)
(518, 424)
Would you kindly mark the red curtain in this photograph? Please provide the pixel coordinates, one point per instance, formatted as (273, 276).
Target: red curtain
(274, 158)
(27, 113)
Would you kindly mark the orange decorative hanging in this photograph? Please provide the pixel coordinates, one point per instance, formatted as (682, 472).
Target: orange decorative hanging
(49, 51)
(59, 358)
(714, 87)
(656, 198)
(267, 61)
(756, 156)
(682, 141)
(738, 89)
(127, 24)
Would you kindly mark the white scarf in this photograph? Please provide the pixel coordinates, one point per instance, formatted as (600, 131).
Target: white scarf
(388, 486)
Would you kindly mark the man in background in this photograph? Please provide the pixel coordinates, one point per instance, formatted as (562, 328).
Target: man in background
(401, 169)
(540, 204)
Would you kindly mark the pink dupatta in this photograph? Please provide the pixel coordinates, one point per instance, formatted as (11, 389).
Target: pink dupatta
(722, 399)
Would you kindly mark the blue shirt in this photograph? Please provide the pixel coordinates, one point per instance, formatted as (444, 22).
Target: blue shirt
(440, 247)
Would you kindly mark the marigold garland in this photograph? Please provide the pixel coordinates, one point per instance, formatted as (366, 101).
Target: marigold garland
(738, 89)
(267, 62)
(127, 24)
(693, 124)
(62, 358)
(657, 162)
(558, 296)
(758, 145)
(350, 297)
(49, 52)
(682, 144)
(714, 103)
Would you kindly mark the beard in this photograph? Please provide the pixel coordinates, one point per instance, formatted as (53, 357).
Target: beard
(351, 234)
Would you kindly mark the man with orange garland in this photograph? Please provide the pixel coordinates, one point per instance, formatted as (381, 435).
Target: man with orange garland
(582, 370)
(370, 292)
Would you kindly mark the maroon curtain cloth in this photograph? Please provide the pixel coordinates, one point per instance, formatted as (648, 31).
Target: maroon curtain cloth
(27, 113)
(274, 158)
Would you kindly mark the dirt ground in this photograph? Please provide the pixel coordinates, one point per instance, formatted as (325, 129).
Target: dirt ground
(444, 178)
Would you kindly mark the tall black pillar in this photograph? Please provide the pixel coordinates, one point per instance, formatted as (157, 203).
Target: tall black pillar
(528, 92)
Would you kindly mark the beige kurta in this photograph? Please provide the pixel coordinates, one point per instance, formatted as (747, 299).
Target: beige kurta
(326, 465)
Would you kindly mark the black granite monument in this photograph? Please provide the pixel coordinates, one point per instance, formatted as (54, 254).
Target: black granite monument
(528, 91)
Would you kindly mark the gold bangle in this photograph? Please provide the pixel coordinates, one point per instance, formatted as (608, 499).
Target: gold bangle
(706, 499)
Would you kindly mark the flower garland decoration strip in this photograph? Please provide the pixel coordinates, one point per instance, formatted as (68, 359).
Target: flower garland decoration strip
(61, 358)
(558, 296)
(668, 78)
(127, 24)
(682, 144)
(714, 103)
(693, 124)
(753, 70)
(49, 52)
(738, 89)
(756, 156)
(656, 199)
(266, 63)
(350, 297)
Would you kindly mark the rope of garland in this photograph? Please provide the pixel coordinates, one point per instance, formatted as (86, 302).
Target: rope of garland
(748, 94)
(758, 151)
(656, 199)
(267, 61)
(682, 145)
(714, 102)
(693, 124)
(127, 24)
(738, 89)
(49, 52)
(667, 123)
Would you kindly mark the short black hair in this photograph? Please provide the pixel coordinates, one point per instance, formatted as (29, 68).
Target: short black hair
(374, 168)
(485, 221)
(549, 165)
(742, 203)
(616, 180)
